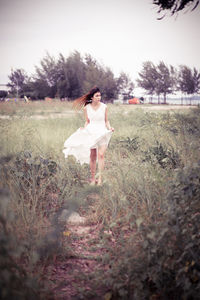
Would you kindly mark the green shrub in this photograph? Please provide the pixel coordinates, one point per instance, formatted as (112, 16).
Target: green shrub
(166, 262)
(39, 190)
(166, 158)
(15, 281)
(189, 123)
(147, 208)
(131, 144)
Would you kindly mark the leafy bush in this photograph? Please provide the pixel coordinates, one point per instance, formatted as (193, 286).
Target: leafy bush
(165, 262)
(166, 158)
(15, 281)
(147, 211)
(26, 166)
(3, 94)
(131, 144)
(189, 123)
(32, 180)
(39, 191)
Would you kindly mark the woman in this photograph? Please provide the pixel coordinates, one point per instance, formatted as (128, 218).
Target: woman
(89, 143)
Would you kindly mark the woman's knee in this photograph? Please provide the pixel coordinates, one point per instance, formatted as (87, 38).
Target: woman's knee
(101, 152)
(101, 155)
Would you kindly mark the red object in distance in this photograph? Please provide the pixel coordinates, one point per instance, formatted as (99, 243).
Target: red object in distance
(134, 101)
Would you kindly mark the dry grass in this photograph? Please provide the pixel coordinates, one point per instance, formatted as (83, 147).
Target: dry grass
(145, 152)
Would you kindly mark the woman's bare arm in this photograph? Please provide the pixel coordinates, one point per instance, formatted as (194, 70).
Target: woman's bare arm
(107, 122)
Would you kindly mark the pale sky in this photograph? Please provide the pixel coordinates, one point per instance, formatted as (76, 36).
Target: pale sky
(120, 34)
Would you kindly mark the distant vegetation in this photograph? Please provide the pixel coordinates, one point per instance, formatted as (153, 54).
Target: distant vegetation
(69, 78)
(162, 80)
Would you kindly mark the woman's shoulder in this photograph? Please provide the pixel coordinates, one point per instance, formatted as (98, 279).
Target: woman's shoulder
(103, 105)
(87, 106)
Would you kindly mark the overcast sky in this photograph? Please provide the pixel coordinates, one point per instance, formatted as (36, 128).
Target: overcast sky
(120, 34)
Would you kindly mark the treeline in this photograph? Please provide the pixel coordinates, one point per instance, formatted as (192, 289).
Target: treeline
(73, 76)
(161, 79)
(69, 78)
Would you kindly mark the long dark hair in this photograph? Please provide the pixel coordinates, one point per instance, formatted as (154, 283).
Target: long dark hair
(85, 99)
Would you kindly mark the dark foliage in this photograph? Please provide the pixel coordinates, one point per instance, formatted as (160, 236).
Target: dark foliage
(175, 6)
(3, 95)
(130, 144)
(32, 171)
(166, 158)
(166, 265)
(15, 282)
(69, 78)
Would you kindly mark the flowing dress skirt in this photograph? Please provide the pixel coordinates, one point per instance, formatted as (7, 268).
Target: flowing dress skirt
(82, 141)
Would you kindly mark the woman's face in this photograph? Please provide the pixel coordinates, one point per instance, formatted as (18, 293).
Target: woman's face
(96, 98)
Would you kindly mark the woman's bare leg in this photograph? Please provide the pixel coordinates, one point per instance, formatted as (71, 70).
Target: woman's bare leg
(93, 158)
(101, 152)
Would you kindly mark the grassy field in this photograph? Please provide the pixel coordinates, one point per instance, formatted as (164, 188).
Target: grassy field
(146, 213)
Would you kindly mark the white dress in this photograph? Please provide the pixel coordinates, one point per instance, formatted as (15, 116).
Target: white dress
(94, 135)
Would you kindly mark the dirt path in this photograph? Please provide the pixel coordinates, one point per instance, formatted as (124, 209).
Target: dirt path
(167, 107)
(41, 116)
(70, 277)
(69, 113)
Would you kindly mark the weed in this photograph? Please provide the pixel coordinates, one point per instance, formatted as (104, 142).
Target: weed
(147, 207)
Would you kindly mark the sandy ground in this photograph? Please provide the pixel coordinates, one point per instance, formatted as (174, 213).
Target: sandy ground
(40, 116)
(167, 107)
(131, 107)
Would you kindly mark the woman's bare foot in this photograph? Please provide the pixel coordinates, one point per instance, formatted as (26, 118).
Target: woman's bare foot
(99, 182)
(92, 180)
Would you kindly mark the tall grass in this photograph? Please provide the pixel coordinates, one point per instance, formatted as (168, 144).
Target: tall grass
(21, 109)
(147, 154)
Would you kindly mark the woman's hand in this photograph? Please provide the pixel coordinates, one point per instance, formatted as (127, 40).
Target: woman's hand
(112, 129)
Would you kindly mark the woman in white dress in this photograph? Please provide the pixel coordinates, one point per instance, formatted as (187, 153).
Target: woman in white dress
(88, 144)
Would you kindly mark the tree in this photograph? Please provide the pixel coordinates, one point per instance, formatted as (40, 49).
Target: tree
(69, 77)
(18, 79)
(165, 83)
(62, 83)
(196, 79)
(3, 94)
(93, 73)
(188, 80)
(159, 80)
(175, 6)
(37, 88)
(124, 85)
(98, 75)
(108, 85)
(74, 70)
(148, 78)
(47, 76)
